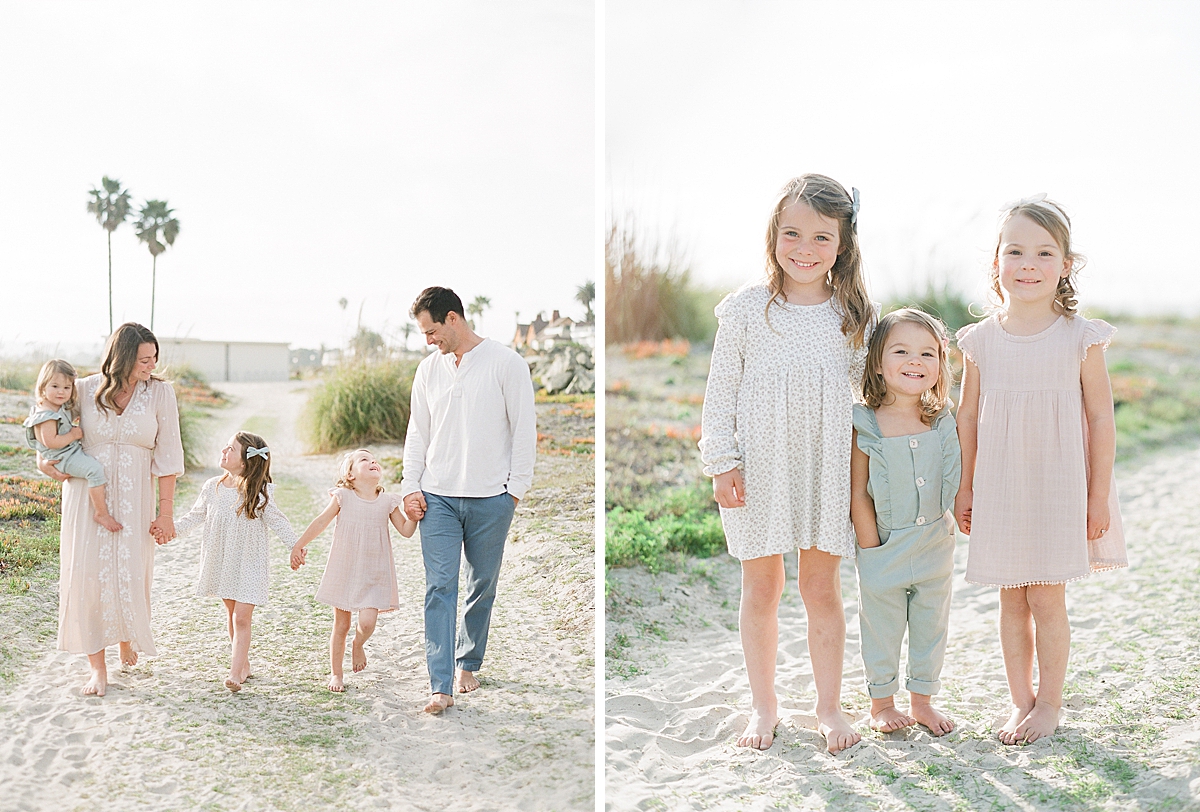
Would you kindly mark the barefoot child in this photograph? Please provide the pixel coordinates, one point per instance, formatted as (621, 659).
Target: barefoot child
(360, 575)
(236, 508)
(776, 438)
(904, 471)
(1038, 441)
(51, 431)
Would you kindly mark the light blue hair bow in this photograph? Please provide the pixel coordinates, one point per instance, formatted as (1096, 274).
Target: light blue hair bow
(854, 207)
(257, 452)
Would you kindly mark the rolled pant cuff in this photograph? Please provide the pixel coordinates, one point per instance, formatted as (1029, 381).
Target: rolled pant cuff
(469, 665)
(883, 690)
(921, 686)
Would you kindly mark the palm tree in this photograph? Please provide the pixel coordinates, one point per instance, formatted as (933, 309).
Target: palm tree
(585, 294)
(477, 307)
(155, 220)
(111, 207)
(406, 331)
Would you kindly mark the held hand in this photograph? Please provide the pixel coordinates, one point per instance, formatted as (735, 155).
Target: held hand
(48, 467)
(729, 489)
(163, 529)
(962, 510)
(415, 506)
(1098, 518)
(298, 555)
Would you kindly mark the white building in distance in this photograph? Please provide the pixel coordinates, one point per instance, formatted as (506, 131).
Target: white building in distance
(227, 360)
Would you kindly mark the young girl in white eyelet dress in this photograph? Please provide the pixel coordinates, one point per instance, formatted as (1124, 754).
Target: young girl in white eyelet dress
(776, 438)
(236, 509)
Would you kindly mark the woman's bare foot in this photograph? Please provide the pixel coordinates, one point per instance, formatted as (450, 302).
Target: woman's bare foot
(887, 718)
(1041, 721)
(760, 729)
(106, 521)
(358, 656)
(335, 683)
(128, 655)
(96, 685)
(1008, 732)
(465, 682)
(939, 724)
(837, 731)
(233, 685)
(438, 703)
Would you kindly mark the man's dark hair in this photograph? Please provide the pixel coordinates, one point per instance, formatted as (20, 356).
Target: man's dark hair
(437, 302)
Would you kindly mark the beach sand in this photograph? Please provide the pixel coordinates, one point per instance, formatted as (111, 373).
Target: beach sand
(169, 736)
(677, 695)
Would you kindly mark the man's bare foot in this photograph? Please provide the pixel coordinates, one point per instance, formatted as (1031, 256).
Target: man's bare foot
(465, 682)
(108, 522)
(335, 683)
(358, 656)
(96, 685)
(1008, 732)
(128, 655)
(760, 730)
(939, 724)
(889, 719)
(233, 685)
(1041, 721)
(438, 703)
(837, 732)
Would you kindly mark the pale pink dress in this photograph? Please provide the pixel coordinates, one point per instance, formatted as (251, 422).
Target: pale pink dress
(104, 580)
(360, 572)
(1029, 515)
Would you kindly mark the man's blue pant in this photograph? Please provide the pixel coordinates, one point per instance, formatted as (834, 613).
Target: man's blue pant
(456, 527)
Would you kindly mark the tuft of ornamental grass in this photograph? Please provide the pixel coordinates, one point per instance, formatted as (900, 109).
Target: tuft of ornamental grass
(683, 521)
(360, 404)
(18, 377)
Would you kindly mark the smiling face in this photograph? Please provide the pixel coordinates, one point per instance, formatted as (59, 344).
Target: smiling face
(58, 390)
(1030, 262)
(231, 456)
(147, 359)
(911, 359)
(364, 472)
(806, 248)
(445, 336)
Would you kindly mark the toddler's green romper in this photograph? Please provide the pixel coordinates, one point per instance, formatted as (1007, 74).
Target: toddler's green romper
(905, 583)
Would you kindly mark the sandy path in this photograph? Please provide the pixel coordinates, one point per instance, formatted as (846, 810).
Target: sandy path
(169, 736)
(677, 694)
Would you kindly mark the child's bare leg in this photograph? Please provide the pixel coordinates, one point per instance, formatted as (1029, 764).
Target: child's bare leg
(1016, 642)
(97, 684)
(239, 667)
(337, 648)
(921, 709)
(821, 591)
(758, 621)
(886, 717)
(366, 627)
(128, 655)
(100, 510)
(229, 604)
(1052, 636)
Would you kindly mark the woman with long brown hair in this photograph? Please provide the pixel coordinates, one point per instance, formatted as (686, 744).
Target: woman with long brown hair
(130, 425)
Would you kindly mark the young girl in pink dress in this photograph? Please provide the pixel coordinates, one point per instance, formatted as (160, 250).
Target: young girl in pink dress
(1038, 441)
(360, 575)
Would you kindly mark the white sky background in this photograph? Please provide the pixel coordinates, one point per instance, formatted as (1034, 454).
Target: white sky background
(939, 112)
(310, 151)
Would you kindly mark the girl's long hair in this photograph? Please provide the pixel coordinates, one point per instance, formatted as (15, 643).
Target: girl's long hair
(344, 479)
(120, 357)
(874, 389)
(829, 198)
(256, 475)
(1052, 217)
(57, 366)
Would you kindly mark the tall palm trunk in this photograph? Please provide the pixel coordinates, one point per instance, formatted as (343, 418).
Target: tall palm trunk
(153, 281)
(110, 327)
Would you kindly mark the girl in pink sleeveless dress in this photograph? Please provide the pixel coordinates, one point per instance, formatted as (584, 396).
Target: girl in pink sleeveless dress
(1038, 441)
(360, 575)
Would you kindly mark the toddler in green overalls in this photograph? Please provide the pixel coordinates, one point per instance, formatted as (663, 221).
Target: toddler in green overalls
(904, 471)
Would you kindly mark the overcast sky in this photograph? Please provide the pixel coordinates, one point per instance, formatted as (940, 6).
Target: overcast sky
(311, 151)
(938, 112)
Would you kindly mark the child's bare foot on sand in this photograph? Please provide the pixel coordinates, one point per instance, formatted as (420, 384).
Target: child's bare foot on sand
(939, 724)
(233, 685)
(887, 718)
(1041, 721)
(1008, 732)
(465, 682)
(837, 731)
(438, 703)
(335, 683)
(128, 655)
(760, 729)
(358, 656)
(96, 685)
(108, 522)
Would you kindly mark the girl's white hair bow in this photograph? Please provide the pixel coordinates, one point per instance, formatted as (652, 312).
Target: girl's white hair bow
(257, 452)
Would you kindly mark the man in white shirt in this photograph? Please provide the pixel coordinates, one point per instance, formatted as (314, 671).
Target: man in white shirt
(468, 460)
